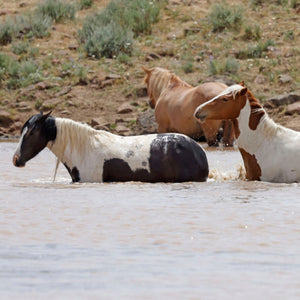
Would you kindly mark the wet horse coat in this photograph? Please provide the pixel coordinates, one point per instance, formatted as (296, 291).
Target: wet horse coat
(96, 155)
(270, 151)
(175, 101)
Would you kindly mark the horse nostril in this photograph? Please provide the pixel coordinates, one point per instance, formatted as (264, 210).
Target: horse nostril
(151, 104)
(202, 118)
(199, 115)
(16, 161)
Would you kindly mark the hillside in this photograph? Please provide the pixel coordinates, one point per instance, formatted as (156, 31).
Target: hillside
(263, 49)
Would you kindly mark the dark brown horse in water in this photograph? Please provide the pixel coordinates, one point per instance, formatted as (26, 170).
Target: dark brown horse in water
(175, 101)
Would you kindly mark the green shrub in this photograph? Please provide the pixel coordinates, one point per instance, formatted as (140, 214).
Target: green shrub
(32, 25)
(188, 67)
(81, 72)
(124, 58)
(20, 48)
(213, 68)
(84, 4)
(90, 25)
(289, 35)
(230, 66)
(255, 51)
(111, 31)
(2, 76)
(57, 10)
(26, 68)
(4, 61)
(138, 15)
(252, 32)
(40, 26)
(26, 25)
(255, 3)
(282, 2)
(7, 31)
(109, 41)
(4, 64)
(17, 74)
(223, 16)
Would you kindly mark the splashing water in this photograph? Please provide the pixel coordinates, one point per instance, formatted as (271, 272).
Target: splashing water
(220, 175)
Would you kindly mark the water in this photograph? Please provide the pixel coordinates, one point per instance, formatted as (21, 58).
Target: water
(223, 239)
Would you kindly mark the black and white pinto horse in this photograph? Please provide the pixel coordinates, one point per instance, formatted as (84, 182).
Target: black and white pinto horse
(99, 156)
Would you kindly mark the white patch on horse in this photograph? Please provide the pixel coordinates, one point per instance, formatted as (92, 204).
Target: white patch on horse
(18, 150)
(138, 147)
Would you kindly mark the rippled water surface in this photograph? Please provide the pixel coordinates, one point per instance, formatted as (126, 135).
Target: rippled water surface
(223, 239)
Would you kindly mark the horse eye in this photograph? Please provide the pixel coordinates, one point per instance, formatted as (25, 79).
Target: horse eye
(225, 99)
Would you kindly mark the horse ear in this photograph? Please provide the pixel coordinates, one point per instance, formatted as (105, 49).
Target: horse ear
(146, 70)
(174, 80)
(242, 83)
(43, 118)
(243, 91)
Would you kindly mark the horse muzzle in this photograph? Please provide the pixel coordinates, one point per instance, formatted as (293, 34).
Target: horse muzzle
(151, 104)
(199, 114)
(17, 162)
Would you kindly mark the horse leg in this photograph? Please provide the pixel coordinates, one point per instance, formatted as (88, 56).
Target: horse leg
(210, 129)
(228, 133)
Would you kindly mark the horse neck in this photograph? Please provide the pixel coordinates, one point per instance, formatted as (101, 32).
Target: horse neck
(72, 138)
(253, 127)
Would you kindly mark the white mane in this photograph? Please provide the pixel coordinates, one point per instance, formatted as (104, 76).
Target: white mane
(231, 90)
(75, 135)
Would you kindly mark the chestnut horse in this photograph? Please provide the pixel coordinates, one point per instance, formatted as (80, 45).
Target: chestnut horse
(175, 101)
(270, 151)
(96, 155)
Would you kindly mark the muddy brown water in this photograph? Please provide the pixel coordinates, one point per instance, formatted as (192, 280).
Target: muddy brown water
(222, 239)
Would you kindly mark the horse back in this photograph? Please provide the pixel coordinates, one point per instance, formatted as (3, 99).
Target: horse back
(206, 91)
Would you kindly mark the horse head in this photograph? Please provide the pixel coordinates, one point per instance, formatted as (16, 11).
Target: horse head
(225, 106)
(157, 80)
(37, 131)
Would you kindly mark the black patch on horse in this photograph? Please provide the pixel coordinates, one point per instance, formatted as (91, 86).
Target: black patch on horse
(176, 158)
(74, 173)
(50, 128)
(117, 169)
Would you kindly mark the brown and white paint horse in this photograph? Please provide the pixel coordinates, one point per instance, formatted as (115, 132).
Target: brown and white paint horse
(96, 155)
(270, 151)
(175, 101)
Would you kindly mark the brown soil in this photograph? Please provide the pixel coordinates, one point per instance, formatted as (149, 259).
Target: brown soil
(102, 94)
